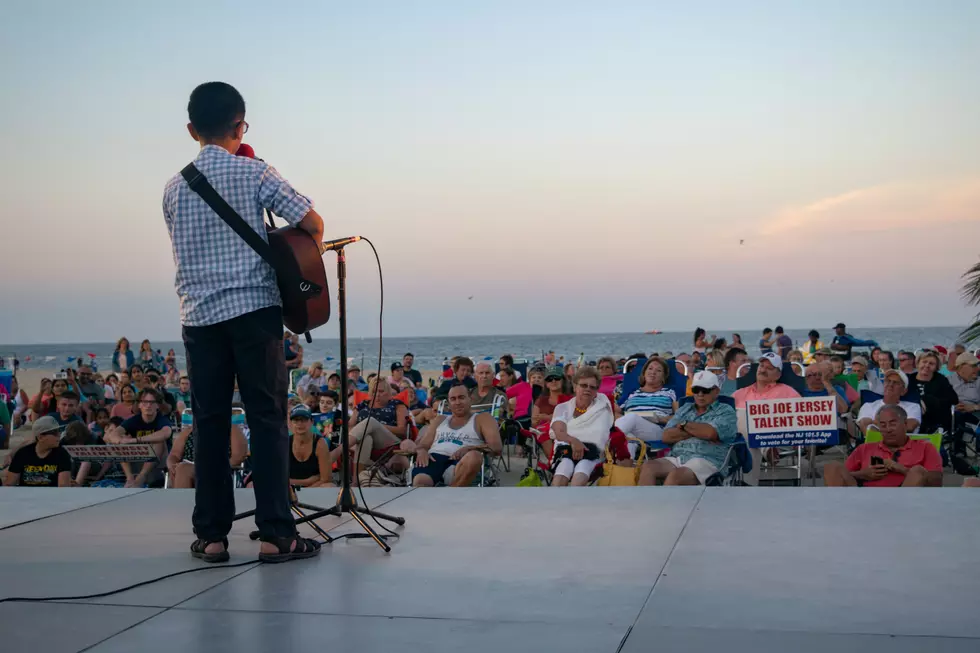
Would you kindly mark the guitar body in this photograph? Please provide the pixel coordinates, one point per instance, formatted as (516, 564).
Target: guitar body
(302, 279)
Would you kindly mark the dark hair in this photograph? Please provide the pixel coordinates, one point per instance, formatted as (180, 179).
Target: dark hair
(731, 355)
(184, 376)
(720, 343)
(68, 394)
(76, 433)
(837, 358)
(814, 333)
(149, 392)
(116, 421)
(330, 393)
(699, 332)
(99, 411)
(779, 329)
(507, 358)
(134, 367)
(462, 360)
(213, 109)
(333, 375)
(658, 361)
(766, 330)
(891, 357)
(408, 354)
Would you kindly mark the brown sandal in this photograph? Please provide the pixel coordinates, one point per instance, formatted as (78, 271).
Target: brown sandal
(199, 548)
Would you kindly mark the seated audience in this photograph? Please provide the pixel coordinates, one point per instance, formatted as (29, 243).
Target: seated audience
(648, 409)
(45, 402)
(767, 385)
(906, 362)
(895, 384)
(126, 406)
(398, 378)
(848, 382)
(354, 377)
(896, 461)
(506, 362)
(885, 361)
(293, 351)
(312, 379)
(580, 428)
(44, 463)
(966, 386)
(183, 394)
(83, 473)
(949, 369)
(610, 380)
(935, 392)
(462, 372)
(859, 368)
(387, 427)
(148, 426)
(66, 409)
(699, 434)
(180, 462)
(486, 392)
(819, 383)
(451, 451)
(413, 375)
(735, 358)
(310, 459)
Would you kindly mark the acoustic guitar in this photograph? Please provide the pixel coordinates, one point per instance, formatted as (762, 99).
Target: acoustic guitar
(302, 279)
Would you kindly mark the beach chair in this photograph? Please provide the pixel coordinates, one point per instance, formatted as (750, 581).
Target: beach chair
(793, 454)
(936, 439)
(294, 376)
(631, 378)
(490, 469)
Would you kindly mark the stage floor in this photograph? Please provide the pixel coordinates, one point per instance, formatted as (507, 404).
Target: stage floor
(510, 569)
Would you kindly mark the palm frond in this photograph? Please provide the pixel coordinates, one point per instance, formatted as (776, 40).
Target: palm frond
(971, 332)
(971, 286)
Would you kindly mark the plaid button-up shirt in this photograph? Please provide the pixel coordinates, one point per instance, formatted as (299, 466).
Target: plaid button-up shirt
(220, 277)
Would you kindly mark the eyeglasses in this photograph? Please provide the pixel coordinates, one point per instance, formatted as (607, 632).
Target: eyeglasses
(244, 126)
(701, 391)
(588, 386)
(553, 378)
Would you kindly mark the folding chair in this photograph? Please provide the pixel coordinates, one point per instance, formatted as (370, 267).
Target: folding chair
(631, 378)
(797, 382)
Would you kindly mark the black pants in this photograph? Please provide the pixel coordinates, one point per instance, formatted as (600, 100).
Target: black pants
(250, 348)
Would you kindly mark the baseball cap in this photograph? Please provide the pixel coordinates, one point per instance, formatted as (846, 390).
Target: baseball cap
(825, 351)
(300, 411)
(942, 350)
(397, 366)
(45, 424)
(904, 377)
(840, 325)
(553, 372)
(966, 358)
(773, 359)
(860, 359)
(705, 379)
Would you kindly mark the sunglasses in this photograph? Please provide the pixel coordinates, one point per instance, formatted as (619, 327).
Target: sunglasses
(552, 378)
(701, 391)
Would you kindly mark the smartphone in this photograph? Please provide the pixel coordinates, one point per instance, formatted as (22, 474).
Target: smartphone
(875, 460)
(60, 376)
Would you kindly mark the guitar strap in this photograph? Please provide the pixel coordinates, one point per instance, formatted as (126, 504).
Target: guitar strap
(200, 185)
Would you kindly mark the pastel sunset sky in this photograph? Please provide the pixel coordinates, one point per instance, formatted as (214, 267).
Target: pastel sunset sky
(572, 166)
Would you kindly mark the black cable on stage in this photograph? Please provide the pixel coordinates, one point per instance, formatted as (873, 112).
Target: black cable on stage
(381, 315)
(23, 599)
(41, 599)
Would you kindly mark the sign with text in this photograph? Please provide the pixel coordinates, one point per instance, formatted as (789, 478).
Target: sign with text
(127, 453)
(792, 422)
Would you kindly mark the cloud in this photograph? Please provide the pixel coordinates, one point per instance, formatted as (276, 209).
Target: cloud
(886, 207)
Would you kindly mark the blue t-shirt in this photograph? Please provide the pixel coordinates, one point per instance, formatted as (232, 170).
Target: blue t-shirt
(719, 415)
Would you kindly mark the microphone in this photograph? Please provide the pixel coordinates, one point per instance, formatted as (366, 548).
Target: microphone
(246, 151)
(333, 245)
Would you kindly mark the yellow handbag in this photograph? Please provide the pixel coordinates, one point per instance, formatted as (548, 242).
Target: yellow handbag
(618, 475)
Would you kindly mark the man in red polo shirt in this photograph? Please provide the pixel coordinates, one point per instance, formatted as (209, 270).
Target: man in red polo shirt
(896, 461)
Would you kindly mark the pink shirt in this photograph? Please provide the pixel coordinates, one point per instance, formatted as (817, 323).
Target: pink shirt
(752, 393)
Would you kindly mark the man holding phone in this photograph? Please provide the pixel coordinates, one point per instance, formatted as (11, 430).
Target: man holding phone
(896, 461)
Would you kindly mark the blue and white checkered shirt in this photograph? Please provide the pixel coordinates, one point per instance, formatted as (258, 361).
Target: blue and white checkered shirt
(220, 277)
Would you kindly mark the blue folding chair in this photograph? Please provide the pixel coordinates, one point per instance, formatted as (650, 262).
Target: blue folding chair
(789, 377)
(631, 379)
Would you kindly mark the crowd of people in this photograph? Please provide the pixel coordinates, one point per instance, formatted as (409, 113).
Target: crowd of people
(687, 408)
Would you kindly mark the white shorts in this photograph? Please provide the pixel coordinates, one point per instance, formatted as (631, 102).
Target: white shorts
(701, 467)
(567, 467)
(639, 427)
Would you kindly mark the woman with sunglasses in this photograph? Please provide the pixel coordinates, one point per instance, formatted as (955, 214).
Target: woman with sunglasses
(580, 428)
(651, 406)
(543, 408)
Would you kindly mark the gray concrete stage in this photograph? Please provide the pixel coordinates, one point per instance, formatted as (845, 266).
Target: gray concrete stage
(511, 569)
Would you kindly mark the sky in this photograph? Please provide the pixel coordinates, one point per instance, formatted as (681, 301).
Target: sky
(571, 166)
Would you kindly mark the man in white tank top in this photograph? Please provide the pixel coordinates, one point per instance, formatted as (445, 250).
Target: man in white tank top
(452, 448)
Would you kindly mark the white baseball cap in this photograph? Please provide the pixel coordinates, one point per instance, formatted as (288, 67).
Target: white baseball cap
(773, 359)
(705, 379)
(902, 375)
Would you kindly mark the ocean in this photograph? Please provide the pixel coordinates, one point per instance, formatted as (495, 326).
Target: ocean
(431, 351)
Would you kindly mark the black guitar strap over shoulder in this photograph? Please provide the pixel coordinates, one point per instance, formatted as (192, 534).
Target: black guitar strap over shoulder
(200, 185)
(291, 283)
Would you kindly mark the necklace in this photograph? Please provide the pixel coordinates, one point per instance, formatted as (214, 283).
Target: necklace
(580, 411)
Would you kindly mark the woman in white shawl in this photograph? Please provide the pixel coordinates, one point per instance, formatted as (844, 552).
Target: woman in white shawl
(580, 428)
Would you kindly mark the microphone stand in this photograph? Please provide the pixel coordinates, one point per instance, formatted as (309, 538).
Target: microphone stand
(346, 503)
